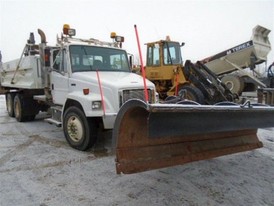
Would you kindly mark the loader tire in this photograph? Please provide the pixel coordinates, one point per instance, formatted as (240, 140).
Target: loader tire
(234, 83)
(10, 103)
(192, 93)
(80, 132)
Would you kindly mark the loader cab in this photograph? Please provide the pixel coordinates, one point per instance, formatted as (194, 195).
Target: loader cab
(163, 53)
(171, 53)
(164, 67)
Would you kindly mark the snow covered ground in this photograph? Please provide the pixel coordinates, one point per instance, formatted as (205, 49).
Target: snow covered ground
(37, 167)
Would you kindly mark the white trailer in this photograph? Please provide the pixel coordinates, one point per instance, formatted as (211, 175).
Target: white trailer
(83, 82)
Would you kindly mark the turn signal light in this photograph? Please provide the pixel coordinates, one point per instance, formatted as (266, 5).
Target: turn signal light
(86, 91)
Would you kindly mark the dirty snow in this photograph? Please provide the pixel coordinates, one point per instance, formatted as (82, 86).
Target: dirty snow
(37, 167)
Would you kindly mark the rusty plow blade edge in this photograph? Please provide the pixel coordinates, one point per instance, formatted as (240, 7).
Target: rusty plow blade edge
(156, 136)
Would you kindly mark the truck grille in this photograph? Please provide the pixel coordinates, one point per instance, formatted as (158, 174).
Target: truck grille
(135, 94)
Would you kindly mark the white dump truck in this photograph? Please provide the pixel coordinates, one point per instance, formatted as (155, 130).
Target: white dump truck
(82, 82)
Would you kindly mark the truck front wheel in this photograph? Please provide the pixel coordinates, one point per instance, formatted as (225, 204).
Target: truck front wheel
(80, 132)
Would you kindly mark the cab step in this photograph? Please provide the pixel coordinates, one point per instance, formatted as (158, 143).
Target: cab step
(56, 112)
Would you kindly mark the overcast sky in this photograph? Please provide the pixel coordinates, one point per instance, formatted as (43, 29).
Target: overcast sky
(206, 26)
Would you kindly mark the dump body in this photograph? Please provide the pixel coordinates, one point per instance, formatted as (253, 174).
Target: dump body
(244, 55)
(28, 76)
(230, 65)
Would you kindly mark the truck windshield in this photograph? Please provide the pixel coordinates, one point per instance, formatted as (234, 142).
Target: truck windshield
(92, 58)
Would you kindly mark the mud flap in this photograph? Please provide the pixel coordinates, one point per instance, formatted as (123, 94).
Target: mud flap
(161, 135)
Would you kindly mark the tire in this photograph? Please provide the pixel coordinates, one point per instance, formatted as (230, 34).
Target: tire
(234, 83)
(24, 108)
(19, 112)
(80, 132)
(10, 103)
(192, 93)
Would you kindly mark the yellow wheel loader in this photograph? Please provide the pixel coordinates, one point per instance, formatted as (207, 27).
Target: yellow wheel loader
(164, 67)
(155, 135)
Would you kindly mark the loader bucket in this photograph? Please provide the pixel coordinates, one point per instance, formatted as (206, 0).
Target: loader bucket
(153, 136)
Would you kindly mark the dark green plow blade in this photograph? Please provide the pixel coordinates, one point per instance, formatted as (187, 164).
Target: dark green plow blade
(153, 136)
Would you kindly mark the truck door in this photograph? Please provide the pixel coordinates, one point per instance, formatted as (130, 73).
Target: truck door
(59, 77)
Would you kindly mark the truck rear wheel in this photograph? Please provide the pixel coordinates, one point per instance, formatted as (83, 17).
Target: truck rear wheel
(19, 112)
(10, 103)
(80, 132)
(24, 108)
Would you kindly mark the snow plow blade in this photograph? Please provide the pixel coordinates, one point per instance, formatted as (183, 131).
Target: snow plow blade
(154, 136)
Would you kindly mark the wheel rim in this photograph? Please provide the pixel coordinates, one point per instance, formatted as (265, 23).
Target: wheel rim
(75, 129)
(230, 85)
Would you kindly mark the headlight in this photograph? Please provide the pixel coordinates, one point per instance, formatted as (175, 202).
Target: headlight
(96, 105)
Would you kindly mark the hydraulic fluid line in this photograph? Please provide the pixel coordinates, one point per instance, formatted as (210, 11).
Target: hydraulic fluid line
(142, 65)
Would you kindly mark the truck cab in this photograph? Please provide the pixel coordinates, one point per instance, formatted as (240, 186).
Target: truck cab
(89, 81)
(84, 84)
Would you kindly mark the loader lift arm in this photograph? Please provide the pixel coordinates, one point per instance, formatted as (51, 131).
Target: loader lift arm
(211, 86)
